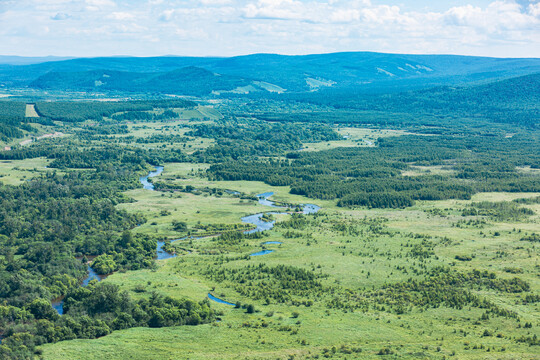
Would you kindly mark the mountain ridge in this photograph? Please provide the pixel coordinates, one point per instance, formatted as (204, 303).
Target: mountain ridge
(367, 70)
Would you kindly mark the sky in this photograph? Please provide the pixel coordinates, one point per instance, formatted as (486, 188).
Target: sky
(89, 28)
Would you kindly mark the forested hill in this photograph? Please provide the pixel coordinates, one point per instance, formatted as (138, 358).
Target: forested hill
(514, 100)
(186, 81)
(363, 70)
(503, 100)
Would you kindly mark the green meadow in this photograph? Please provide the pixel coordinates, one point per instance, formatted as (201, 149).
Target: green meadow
(345, 249)
(14, 172)
(453, 278)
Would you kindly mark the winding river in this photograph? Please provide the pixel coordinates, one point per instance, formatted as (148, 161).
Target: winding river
(262, 225)
(256, 219)
(144, 179)
(218, 300)
(58, 303)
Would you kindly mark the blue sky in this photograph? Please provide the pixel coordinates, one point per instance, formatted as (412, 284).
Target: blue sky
(503, 28)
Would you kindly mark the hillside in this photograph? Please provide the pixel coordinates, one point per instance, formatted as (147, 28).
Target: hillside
(186, 81)
(370, 72)
(515, 100)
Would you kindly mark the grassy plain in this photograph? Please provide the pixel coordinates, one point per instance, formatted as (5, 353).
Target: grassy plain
(145, 135)
(14, 172)
(348, 251)
(203, 208)
(354, 137)
(359, 261)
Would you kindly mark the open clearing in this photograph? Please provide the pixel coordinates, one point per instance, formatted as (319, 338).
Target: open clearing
(14, 172)
(31, 111)
(354, 137)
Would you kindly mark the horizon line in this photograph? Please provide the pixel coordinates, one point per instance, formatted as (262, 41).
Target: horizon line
(70, 57)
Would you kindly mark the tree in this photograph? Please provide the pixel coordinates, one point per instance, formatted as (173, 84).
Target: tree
(179, 226)
(42, 309)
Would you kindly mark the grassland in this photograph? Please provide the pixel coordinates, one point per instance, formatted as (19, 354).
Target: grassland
(378, 254)
(31, 111)
(14, 172)
(146, 135)
(351, 253)
(354, 137)
(446, 279)
(163, 208)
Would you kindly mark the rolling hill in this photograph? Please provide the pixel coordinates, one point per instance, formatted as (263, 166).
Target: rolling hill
(364, 71)
(185, 81)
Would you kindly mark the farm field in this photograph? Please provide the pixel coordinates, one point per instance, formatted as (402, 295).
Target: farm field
(31, 111)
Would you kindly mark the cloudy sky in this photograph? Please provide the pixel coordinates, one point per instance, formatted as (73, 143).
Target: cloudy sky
(503, 28)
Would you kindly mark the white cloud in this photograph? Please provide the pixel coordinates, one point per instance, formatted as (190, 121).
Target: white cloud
(121, 16)
(97, 5)
(227, 27)
(101, 3)
(276, 9)
(495, 18)
(534, 9)
(345, 15)
(167, 15)
(216, 2)
(61, 16)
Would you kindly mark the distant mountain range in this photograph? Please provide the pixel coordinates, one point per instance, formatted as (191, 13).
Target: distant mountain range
(362, 71)
(22, 60)
(186, 81)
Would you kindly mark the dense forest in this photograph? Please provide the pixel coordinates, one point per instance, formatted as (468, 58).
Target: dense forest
(487, 108)
(186, 81)
(240, 139)
(304, 73)
(80, 111)
(512, 101)
(50, 225)
(15, 124)
(13, 120)
(91, 312)
(373, 177)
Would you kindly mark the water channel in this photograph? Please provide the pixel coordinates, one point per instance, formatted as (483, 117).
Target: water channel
(256, 219)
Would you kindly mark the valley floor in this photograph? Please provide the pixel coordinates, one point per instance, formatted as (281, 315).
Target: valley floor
(346, 253)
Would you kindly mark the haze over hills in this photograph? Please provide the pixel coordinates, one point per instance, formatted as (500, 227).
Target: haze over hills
(186, 81)
(364, 71)
(514, 100)
(23, 60)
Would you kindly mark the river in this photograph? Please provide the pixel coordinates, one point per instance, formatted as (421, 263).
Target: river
(144, 179)
(260, 225)
(58, 303)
